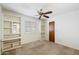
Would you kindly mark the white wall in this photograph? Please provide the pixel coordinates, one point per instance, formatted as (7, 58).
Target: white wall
(25, 36)
(30, 36)
(67, 29)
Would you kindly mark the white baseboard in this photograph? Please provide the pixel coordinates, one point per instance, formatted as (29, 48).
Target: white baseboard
(68, 44)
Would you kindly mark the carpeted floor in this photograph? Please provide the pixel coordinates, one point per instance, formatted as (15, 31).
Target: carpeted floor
(43, 48)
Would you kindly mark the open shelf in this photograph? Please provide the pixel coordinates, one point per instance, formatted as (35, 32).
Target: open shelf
(11, 48)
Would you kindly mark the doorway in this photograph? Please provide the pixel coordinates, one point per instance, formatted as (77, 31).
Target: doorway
(52, 31)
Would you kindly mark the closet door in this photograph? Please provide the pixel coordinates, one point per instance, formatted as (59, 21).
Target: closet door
(52, 31)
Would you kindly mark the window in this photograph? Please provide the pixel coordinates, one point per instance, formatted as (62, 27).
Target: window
(15, 28)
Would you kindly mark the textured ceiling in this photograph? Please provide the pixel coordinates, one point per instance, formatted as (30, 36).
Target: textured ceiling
(30, 9)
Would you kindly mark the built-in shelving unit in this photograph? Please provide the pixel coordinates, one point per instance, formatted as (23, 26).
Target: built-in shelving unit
(43, 31)
(12, 32)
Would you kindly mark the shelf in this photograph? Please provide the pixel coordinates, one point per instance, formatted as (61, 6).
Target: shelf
(12, 34)
(16, 22)
(12, 48)
(12, 21)
(7, 28)
(7, 21)
(11, 38)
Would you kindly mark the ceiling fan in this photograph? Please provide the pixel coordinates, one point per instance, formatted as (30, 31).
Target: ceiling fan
(44, 14)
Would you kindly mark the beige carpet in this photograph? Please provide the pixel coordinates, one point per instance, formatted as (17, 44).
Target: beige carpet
(43, 48)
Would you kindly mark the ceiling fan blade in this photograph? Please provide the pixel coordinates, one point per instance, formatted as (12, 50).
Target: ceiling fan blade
(46, 16)
(48, 12)
(40, 17)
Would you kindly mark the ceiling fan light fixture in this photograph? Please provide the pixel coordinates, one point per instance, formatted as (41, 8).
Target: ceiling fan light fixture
(40, 13)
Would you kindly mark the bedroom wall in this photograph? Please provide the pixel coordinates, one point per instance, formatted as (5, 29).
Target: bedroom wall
(26, 37)
(30, 36)
(67, 29)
